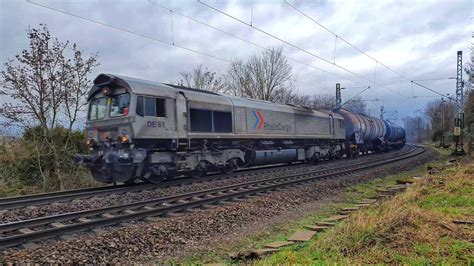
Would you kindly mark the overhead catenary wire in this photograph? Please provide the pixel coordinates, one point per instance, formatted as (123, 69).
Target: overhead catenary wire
(129, 31)
(173, 42)
(172, 28)
(353, 97)
(201, 52)
(355, 47)
(423, 86)
(167, 42)
(433, 79)
(294, 46)
(247, 41)
(425, 96)
(341, 38)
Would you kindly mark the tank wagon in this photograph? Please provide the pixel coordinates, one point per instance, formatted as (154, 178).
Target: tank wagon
(151, 131)
(367, 133)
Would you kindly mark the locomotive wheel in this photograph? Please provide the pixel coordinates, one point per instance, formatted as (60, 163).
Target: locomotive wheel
(331, 156)
(315, 159)
(230, 167)
(199, 171)
(154, 179)
(132, 181)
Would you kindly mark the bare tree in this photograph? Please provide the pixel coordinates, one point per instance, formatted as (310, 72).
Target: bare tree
(323, 101)
(441, 116)
(77, 70)
(42, 82)
(469, 90)
(202, 79)
(302, 100)
(469, 121)
(47, 83)
(262, 77)
(328, 101)
(289, 94)
(356, 105)
(416, 129)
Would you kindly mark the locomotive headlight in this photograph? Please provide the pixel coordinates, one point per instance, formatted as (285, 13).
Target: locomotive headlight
(90, 142)
(106, 91)
(124, 138)
(90, 139)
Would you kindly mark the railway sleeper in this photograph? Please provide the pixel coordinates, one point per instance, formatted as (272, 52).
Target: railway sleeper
(57, 225)
(113, 219)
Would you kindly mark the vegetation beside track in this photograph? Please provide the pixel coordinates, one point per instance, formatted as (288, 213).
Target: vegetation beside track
(31, 165)
(415, 227)
(412, 228)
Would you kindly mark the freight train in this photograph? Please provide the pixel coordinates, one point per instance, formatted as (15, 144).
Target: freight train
(146, 131)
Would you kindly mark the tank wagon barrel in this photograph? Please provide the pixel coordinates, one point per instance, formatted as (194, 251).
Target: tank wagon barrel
(368, 133)
(143, 130)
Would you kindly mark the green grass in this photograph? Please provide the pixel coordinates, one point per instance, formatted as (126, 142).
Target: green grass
(414, 228)
(453, 204)
(405, 230)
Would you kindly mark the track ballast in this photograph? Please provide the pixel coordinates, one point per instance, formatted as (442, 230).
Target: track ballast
(16, 233)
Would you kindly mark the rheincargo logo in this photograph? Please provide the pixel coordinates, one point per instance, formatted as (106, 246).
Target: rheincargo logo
(259, 119)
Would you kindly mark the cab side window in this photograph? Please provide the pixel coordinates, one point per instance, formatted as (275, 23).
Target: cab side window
(140, 106)
(160, 107)
(150, 106)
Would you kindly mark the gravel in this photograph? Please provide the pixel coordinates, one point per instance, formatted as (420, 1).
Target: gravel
(129, 197)
(208, 230)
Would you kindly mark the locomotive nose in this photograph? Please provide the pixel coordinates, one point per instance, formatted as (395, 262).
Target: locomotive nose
(114, 167)
(111, 164)
(111, 157)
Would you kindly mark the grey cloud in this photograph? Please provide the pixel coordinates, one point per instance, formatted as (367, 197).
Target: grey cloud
(372, 26)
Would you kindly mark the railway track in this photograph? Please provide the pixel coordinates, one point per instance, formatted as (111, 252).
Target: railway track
(45, 198)
(16, 233)
(61, 196)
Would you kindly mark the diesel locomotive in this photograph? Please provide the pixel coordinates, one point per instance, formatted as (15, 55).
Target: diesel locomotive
(143, 130)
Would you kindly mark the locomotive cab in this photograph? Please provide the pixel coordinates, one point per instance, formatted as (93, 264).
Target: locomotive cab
(110, 133)
(131, 130)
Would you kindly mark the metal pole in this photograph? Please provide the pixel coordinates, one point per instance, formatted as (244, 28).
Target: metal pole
(338, 96)
(459, 118)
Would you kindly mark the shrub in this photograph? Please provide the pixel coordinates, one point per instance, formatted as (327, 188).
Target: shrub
(43, 163)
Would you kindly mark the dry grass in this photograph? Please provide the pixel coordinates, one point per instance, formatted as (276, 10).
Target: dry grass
(412, 228)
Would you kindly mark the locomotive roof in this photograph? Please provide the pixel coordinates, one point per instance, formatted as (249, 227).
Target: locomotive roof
(146, 87)
(135, 85)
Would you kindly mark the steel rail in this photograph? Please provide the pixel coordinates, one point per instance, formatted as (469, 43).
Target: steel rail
(4, 227)
(61, 196)
(161, 206)
(57, 193)
(44, 198)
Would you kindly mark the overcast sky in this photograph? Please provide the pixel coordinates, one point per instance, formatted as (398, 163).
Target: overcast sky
(417, 39)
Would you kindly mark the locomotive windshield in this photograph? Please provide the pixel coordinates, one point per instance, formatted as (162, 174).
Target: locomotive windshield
(119, 105)
(98, 108)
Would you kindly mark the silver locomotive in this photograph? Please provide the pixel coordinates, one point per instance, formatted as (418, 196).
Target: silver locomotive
(143, 130)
